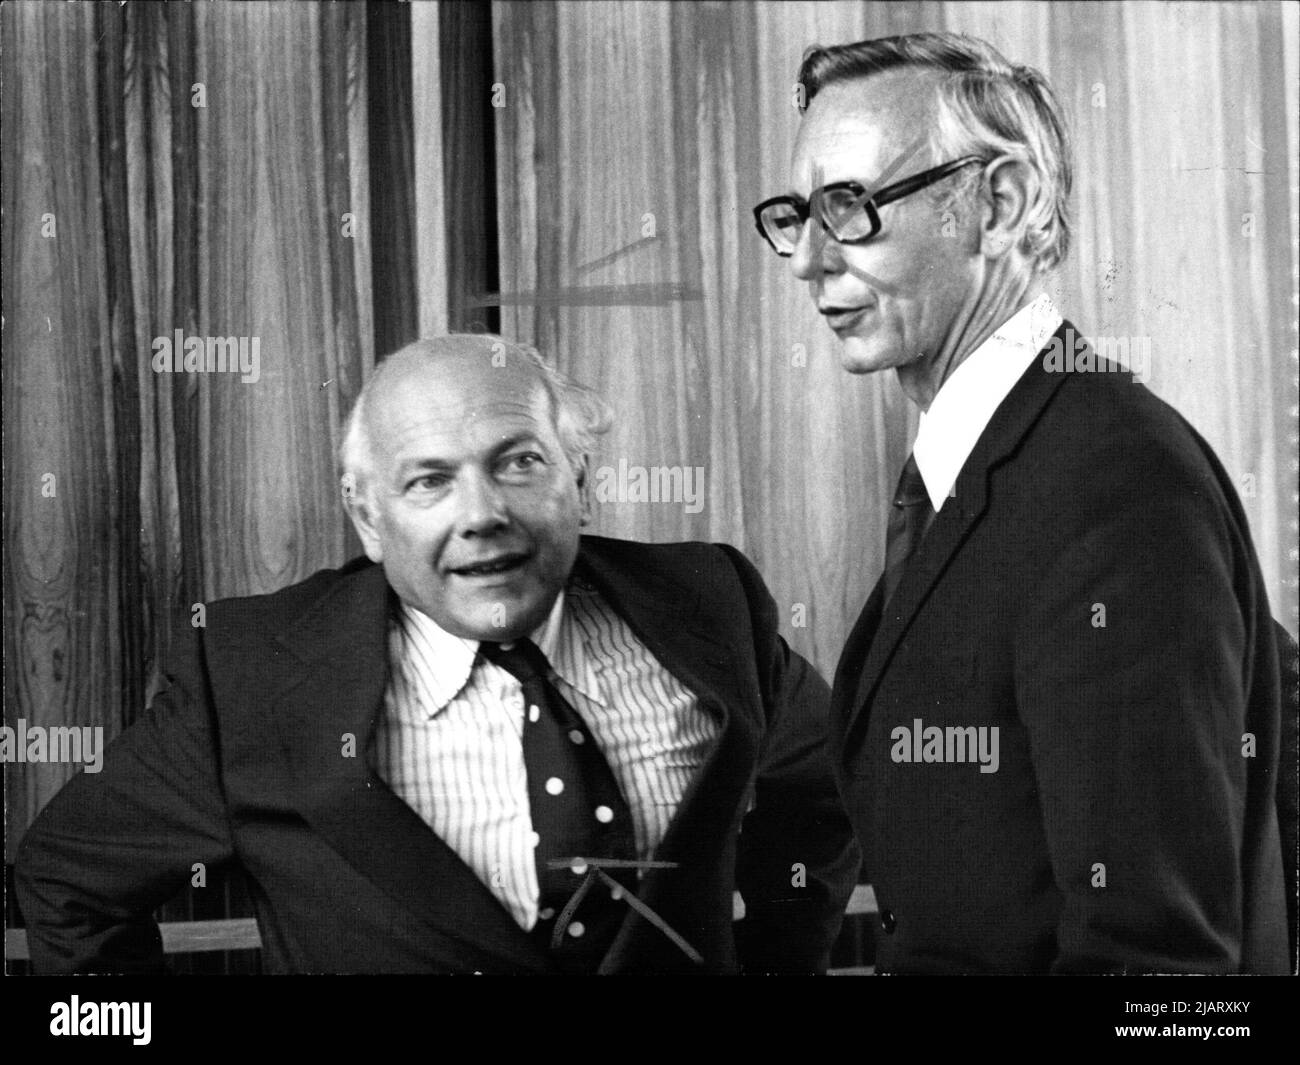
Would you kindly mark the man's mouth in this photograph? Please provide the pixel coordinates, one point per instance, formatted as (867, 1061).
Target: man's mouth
(490, 567)
(841, 319)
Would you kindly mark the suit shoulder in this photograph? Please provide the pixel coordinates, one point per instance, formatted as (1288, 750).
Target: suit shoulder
(1107, 433)
(1108, 453)
(680, 557)
(691, 568)
(291, 600)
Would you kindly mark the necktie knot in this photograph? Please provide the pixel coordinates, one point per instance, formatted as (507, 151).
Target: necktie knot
(911, 485)
(521, 658)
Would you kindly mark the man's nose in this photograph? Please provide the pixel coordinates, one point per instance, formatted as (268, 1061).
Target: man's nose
(483, 507)
(815, 252)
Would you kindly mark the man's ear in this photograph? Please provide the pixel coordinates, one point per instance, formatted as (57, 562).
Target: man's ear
(357, 504)
(1012, 187)
(580, 471)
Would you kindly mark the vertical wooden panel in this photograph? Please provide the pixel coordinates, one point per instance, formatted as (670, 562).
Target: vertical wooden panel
(155, 62)
(528, 153)
(452, 113)
(612, 188)
(431, 192)
(464, 65)
(276, 268)
(198, 162)
(1277, 155)
(174, 157)
(119, 62)
(357, 36)
(392, 173)
(63, 560)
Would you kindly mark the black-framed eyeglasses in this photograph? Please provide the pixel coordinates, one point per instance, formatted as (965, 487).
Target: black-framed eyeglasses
(846, 209)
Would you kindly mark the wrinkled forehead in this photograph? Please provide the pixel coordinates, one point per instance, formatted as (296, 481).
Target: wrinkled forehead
(457, 407)
(862, 129)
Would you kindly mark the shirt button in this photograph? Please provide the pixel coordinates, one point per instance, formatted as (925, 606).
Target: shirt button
(534, 713)
(604, 814)
(534, 839)
(576, 929)
(545, 914)
(554, 786)
(887, 921)
(576, 737)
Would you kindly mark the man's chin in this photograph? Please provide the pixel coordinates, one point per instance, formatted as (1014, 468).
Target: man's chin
(862, 355)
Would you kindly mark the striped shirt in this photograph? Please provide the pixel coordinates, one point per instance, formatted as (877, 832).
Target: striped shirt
(449, 740)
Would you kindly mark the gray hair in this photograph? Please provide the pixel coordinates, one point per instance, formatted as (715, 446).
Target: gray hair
(988, 106)
(580, 415)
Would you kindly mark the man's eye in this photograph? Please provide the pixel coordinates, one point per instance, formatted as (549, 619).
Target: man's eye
(840, 203)
(522, 462)
(788, 221)
(428, 482)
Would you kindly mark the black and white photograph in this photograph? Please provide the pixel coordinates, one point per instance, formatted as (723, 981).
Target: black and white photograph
(574, 488)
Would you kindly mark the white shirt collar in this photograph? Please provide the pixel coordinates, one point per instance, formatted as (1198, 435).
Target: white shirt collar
(967, 401)
(438, 664)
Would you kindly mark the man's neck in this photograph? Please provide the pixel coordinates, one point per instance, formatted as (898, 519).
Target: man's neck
(978, 319)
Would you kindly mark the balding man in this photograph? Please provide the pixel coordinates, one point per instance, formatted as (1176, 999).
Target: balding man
(1055, 723)
(495, 745)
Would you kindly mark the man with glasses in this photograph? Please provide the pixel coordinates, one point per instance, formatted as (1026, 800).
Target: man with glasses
(1055, 723)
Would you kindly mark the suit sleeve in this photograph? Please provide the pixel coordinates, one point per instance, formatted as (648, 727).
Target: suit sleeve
(1288, 775)
(112, 846)
(797, 860)
(1131, 680)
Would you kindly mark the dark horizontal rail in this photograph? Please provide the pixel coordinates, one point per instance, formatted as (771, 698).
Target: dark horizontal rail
(197, 937)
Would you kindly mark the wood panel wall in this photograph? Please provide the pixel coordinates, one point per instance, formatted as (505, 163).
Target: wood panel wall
(206, 167)
(675, 118)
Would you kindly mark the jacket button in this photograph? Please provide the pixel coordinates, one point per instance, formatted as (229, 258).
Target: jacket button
(887, 921)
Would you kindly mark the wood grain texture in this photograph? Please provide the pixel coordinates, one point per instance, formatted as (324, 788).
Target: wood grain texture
(455, 209)
(463, 64)
(431, 207)
(392, 172)
(62, 491)
(684, 111)
(199, 162)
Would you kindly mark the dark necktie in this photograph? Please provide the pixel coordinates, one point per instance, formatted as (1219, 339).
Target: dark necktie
(909, 520)
(577, 811)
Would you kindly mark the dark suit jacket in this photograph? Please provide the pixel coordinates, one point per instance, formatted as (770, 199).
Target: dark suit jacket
(240, 760)
(1120, 733)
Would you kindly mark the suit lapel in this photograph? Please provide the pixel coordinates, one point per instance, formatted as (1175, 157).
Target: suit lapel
(953, 524)
(673, 620)
(337, 691)
(341, 642)
(850, 670)
(666, 616)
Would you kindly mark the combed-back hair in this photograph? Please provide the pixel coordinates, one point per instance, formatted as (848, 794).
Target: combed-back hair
(988, 106)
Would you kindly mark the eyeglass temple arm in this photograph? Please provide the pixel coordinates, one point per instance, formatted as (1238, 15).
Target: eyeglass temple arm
(919, 181)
